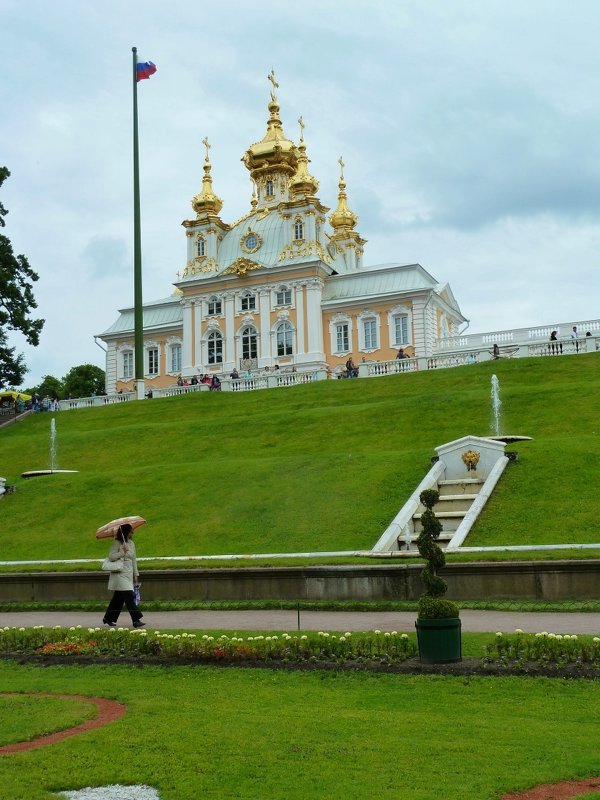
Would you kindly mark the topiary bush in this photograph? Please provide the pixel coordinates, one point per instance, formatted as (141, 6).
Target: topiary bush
(430, 606)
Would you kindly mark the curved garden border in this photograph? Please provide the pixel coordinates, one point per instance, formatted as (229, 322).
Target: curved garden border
(108, 711)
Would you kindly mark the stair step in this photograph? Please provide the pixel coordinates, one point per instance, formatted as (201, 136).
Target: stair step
(443, 514)
(458, 481)
(447, 497)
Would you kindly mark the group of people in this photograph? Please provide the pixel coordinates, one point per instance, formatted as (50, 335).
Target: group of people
(556, 346)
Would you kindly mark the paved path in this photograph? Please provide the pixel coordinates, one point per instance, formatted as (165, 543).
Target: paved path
(472, 621)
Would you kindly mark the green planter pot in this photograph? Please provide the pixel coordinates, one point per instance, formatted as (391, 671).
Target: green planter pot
(439, 640)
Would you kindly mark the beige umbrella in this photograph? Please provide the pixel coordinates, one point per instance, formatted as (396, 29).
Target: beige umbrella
(110, 530)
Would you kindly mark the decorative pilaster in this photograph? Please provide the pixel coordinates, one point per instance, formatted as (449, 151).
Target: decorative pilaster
(300, 336)
(265, 326)
(314, 291)
(198, 318)
(229, 299)
(187, 366)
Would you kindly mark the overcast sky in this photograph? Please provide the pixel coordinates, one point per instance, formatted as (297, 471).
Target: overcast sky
(470, 130)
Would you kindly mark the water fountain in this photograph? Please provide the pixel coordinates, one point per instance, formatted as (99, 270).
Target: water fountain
(53, 463)
(496, 415)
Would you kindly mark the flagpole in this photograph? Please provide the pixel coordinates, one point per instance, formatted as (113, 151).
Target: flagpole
(137, 248)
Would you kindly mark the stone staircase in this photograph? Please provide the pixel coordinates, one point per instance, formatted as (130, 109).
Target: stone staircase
(456, 498)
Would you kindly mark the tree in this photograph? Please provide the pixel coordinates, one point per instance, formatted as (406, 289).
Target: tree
(49, 387)
(84, 381)
(16, 303)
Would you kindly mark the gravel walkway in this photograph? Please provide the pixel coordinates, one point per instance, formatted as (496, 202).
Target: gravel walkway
(403, 621)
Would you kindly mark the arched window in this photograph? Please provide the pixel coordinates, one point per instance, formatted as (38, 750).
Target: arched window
(215, 348)
(283, 296)
(269, 190)
(214, 306)
(200, 246)
(285, 339)
(298, 229)
(248, 302)
(249, 342)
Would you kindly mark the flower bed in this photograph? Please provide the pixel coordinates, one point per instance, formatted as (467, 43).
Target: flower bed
(284, 648)
(543, 653)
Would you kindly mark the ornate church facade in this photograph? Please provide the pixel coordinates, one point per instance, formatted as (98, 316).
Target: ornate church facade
(283, 286)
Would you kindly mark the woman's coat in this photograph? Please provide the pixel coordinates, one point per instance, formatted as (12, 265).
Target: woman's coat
(123, 581)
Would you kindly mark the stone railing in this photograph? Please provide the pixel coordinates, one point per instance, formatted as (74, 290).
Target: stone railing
(520, 336)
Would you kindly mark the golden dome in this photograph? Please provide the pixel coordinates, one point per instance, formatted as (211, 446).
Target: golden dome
(342, 217)
(303, 182)
(274, 151)
(207, 201)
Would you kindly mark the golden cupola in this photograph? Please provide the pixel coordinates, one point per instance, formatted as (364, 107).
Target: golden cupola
(303, 182)
(342, 220)
(207, 201)
(275, 153)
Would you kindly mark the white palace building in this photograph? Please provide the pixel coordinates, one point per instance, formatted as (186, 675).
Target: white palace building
(282, 295)
(284, 285)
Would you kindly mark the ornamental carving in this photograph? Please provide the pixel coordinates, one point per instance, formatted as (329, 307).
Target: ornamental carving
(241, 267)
(301, 248)
(250, 241)
(200, 265)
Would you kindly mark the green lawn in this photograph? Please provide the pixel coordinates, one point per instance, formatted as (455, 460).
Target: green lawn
(321, 467)
(245, 733)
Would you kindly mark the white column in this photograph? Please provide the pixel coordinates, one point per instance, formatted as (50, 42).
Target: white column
(229, 331)
(198, 318)
(265, 327)
(300, 343)
(314, 289)
(187, 368)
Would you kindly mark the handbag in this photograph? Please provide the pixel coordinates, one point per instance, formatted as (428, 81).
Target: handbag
(112, 566)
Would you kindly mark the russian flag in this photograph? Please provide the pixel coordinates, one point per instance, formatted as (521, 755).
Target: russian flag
(143, 70)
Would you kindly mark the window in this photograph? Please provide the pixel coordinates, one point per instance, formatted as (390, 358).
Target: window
(285, 339)
(370, 333)
(269, 191)
(152, 361)
(401, 329)
(200, 247)
(215, 348)
(249, 343)
(248, 302)
(128, 364)
(214, 306)
(298, 229)
(283, 296)
(342, 337)
(175, 358)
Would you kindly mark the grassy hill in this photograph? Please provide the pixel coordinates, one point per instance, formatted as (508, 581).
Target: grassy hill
(316, 467)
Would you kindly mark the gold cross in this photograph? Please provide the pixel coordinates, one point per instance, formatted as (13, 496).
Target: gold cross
(342, 165)
(271, 77)
(301, 123)
(206, 144)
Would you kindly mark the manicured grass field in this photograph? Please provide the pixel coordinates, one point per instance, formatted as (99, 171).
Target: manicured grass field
(246, 733)
(321, 467)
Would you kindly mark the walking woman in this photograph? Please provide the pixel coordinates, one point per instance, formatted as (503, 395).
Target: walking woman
(122, 582)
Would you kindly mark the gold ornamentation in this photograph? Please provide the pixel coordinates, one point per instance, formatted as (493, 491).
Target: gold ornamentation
(271, 77)
(200, 265)
(298, 249)
(470, 459)
(241, 267)
(250, 241)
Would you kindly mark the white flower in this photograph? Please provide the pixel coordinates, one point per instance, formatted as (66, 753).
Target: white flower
(394, 633)
(377, 631)
(404, 636)
(342, 638)
(304, 638)
(347, 634)
(596, 639)
(498, 634)
(518, 630)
